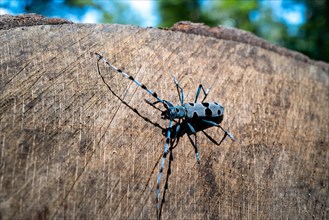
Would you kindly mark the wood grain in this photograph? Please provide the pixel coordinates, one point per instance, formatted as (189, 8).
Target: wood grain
(70, 149)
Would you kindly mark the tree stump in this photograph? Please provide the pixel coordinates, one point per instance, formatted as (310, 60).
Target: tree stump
(70, 149)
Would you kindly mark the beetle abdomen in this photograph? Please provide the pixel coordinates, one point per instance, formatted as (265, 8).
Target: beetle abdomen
(204, 110)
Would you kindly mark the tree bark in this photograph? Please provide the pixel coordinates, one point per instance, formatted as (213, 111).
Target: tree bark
(71, 149)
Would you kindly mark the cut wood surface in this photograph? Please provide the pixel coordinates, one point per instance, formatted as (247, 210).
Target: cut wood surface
(70, 149)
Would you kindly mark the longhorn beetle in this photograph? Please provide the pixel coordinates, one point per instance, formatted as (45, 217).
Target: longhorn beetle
(196, 116)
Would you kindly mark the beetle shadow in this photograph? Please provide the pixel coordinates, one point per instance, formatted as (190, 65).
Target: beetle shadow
(176, 134)
(125, 103)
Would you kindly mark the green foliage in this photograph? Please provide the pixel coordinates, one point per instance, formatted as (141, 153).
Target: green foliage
(258, 17)
(233, 13)
(80, 3)
(172, 11)
(313, 37)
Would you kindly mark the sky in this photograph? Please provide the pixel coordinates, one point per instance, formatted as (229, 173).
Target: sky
(146, 8)
(292, 13)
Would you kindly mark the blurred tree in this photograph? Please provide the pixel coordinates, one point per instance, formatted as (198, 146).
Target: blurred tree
(256, 16)
(69, 9)
(247, 15)
(312, 38)
(106, 11)
(233, 13)
(172, 11)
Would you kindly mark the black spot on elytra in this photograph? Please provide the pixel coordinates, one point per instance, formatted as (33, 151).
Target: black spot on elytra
(191, 104)
(195, 115)
(219, 112)
(208, 112)
(205, 104)
(216, 103)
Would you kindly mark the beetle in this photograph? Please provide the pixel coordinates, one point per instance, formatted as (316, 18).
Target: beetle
(189, 117)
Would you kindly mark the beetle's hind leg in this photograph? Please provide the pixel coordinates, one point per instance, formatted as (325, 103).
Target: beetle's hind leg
(213, 140)
(217, 125)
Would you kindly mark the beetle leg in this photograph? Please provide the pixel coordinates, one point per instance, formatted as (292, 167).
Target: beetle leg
(217, 125)
(195, 145)
(205, 92)
(180, 91)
